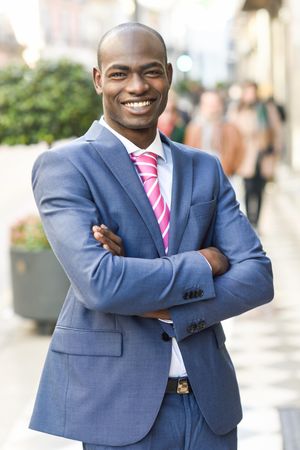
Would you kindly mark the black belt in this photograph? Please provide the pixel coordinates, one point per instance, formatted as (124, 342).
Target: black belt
(178, 386)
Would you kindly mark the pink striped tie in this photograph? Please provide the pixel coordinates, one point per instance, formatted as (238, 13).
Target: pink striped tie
(146, 165)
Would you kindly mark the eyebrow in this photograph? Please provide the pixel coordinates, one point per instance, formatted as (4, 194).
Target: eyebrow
(118, 67)
(144, 67)
(150, 65)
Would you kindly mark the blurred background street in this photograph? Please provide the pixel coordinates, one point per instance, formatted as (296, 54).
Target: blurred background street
(233, 60)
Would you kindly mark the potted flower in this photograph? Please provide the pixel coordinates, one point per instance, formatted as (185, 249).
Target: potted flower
(39, 285)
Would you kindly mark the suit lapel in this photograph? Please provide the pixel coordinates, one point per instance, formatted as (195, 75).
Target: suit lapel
(181, 195)
(116, 158)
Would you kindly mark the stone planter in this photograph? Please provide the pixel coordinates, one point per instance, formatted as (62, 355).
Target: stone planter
(39, 286)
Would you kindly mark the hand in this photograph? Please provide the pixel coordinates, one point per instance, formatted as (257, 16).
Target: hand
(109, 240)
(161, 314)
(219, 263)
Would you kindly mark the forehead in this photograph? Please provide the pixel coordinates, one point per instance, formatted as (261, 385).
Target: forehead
(130, 47)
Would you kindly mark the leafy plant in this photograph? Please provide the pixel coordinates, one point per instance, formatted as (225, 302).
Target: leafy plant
(55, 100)
(28, 234)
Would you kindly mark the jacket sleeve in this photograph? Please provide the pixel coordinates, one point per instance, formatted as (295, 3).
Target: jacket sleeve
(101, 281)
(247, 284)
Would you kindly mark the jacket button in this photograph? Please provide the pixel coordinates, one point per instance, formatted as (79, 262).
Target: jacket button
(201, 325)
(185, 296)
(200, 293)
(192, 328)
(165, 336)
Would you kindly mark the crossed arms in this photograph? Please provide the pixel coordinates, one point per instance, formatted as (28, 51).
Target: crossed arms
(110, 241)
(108, 283)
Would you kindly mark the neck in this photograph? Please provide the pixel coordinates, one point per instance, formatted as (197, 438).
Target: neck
(141, 137)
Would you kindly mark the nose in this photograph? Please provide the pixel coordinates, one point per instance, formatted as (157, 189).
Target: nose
(137, 84)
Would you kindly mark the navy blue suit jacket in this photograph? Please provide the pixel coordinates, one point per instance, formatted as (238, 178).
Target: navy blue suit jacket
(106, 370)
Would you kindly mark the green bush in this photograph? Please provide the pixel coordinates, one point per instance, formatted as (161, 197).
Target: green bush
(55, 100)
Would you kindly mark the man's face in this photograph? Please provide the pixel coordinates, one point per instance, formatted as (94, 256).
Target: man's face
(134, 80)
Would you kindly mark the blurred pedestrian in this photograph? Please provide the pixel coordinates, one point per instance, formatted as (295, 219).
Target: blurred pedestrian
(209, 131)
(138, 360)
(277, 119)
(259, 125)
(170, 121)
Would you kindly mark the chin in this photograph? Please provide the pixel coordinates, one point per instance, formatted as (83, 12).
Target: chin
(140, 124)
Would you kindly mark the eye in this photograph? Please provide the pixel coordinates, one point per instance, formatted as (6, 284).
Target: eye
(154, 73)
(117, 75)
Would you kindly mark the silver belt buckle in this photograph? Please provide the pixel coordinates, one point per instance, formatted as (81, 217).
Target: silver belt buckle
(183, 386)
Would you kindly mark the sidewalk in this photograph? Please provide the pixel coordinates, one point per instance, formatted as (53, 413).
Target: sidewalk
(16, 197)
(264, 343)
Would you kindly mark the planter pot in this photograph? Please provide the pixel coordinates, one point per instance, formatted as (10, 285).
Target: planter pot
(39, 285)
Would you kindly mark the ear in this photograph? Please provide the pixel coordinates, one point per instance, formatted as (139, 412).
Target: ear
(170, 73)
(97, 77)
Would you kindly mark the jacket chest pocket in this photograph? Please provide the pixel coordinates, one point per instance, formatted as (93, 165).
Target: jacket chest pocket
(199, 228)
(204, 210)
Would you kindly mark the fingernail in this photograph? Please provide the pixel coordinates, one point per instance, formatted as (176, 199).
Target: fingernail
(106, 247)
(104, 226)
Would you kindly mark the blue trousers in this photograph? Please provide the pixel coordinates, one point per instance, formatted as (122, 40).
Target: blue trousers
(178, 426)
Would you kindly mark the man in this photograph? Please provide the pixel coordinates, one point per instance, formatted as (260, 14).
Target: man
(210, 132)
(118, 375)
(170, 122)
(260, 127)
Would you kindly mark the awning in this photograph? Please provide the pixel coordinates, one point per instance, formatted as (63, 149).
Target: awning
(272, 6)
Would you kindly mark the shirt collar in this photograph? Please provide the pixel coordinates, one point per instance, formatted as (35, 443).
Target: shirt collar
(155, 147)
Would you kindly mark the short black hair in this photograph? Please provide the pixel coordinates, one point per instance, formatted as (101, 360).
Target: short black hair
(130, 26)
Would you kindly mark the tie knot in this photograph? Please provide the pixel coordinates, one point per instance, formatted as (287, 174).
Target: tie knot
(146, 164)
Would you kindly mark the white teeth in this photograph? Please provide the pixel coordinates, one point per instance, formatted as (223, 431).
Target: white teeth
(138, 104)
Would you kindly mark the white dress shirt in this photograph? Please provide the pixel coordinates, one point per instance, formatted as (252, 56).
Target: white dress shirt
(165, 178)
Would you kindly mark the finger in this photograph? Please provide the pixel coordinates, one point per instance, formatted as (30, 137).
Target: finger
(112, 236)
(108, 244)
(106, 247)
(108, 233)
(98, 236)
(111, 239)
(111, 244)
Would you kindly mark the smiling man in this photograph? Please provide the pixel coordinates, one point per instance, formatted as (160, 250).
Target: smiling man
(134, 78)
(158, 254)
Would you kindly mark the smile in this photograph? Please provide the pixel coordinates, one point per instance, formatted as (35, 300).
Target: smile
(138, 104)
